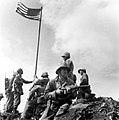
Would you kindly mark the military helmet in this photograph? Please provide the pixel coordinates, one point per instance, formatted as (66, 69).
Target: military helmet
(44, 74)
(66, 54)
(82, 69)
(62, 65)
(20, 71)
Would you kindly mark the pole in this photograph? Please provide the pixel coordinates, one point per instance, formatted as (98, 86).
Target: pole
(38, 42)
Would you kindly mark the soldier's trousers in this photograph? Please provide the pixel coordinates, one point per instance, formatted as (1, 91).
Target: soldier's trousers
(17, 100)
(9, 103)
(56, 108)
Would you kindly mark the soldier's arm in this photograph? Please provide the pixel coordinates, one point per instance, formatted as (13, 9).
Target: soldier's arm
(17, 80)
(50, 89)
(72, 65)
(26, 82)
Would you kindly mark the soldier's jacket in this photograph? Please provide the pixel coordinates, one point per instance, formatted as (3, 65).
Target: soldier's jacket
(69, 64)
(18, 83)
(84, 79)
(36, 92)
(56, 83)
(41, 82)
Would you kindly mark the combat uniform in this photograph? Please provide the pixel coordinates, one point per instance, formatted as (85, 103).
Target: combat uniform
(36, 102)
(9, 95)
(69, 63)
(57, 104)
(84, 80)
(18, 91)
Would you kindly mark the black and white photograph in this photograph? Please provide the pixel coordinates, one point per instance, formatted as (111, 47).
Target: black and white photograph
(59, 59)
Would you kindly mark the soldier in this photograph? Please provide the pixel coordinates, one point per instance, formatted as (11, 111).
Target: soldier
(84, 80)
(69, 63)
(36, 102)
(57, 92)
(44, 78)
(9, 94)
(18, 91)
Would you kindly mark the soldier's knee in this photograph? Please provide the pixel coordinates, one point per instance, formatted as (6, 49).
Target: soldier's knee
(63, 109)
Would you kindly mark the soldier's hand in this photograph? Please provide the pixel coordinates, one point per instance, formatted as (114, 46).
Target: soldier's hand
(35, 76)
(67, 89)
(59, 91)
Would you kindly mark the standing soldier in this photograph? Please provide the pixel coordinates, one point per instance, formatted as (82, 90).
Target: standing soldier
(84, 80)
(18, 91)
(69, 63)
(36, 102)
(9, 94)
(57, 92)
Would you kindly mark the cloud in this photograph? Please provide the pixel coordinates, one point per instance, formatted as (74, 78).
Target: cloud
(89, 30)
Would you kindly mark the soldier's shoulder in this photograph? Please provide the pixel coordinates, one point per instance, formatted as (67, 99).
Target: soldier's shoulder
(17, 76)
(53, 80)
(37, 82)
(85, 75)
(69, 61)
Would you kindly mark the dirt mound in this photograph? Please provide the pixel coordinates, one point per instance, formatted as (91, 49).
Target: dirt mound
(102, 108)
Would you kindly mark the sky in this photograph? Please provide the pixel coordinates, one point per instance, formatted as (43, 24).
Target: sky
(88, 29)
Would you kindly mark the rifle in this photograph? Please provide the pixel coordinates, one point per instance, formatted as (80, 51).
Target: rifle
(67, 92)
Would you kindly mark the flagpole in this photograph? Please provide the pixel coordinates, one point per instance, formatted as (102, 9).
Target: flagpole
(38, 42)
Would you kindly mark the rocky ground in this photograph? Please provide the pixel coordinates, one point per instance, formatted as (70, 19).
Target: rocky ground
(101, 108)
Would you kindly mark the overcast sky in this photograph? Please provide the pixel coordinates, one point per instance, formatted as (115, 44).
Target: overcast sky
(88, 29)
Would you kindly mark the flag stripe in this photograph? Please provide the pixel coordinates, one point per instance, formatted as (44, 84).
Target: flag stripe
(21, 4)
(22, 11)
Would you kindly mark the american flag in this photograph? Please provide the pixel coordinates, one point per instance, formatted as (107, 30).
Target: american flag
(30, 13)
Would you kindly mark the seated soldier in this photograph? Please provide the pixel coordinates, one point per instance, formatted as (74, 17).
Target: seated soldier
(57, 91)
(84, 81)
(36, 102)
(69, 63)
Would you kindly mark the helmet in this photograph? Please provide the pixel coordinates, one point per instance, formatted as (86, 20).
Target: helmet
(44, 74)
(66, 54)
(63, 65)
(20, 71)
(82, 69)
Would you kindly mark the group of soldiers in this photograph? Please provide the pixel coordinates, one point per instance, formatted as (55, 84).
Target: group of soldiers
(48, 99)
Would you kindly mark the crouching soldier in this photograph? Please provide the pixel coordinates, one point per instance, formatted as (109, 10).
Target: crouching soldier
(36, 103)
(57, 92)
